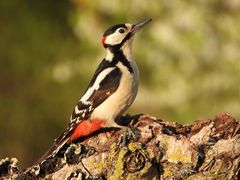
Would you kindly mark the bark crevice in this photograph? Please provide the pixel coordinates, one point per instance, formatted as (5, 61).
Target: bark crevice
(165, 150)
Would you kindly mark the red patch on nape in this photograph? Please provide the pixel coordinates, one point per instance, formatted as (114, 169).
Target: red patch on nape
(103, 40)
(87, 127)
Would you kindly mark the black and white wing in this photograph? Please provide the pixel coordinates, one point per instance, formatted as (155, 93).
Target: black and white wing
(103, 84)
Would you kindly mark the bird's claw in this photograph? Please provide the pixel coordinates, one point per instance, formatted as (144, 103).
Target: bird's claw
(129, 134)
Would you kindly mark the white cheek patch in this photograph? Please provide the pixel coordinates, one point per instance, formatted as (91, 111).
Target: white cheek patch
(115, 38)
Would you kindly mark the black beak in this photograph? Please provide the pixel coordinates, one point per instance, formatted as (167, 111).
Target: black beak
(139, 25)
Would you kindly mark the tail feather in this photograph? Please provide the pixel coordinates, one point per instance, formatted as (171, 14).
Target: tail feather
(58, 143)
(53, 150)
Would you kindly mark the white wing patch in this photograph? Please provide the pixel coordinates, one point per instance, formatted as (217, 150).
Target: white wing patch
(81, 113)
(96, 84)
(77, 111)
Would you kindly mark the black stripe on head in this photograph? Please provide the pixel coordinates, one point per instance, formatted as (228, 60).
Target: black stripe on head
(116, 47)
(127, 37)
(112, 29)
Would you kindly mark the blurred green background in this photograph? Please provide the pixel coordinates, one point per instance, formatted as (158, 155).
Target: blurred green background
(189, 60)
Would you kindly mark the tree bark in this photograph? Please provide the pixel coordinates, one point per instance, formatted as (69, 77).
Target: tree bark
(206, 149)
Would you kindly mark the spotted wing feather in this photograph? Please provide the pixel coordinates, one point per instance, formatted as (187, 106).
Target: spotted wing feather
(83, 110)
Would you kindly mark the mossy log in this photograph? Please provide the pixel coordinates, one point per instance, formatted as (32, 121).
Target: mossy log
(206, 149)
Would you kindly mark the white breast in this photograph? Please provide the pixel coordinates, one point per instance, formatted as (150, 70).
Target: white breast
(121, 99)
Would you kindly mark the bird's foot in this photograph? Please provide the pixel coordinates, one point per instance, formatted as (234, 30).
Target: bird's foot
(129, 119)
(128, 135)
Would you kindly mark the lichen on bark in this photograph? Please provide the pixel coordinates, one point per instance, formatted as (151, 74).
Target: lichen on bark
(165, 150)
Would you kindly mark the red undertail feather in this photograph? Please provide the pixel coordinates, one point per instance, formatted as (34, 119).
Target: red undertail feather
(86, 128)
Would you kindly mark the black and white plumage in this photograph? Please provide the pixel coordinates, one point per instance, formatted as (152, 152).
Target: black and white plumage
(112, 89)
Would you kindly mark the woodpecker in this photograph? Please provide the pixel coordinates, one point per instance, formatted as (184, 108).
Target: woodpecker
(111, 91)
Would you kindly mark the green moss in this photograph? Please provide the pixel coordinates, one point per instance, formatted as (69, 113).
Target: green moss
(167, 173)
(132, 177)
(134, 146)
(179, 156)
(112, 152)
(140, 174)
(119, 165)
(145, 169)
(165, 142)
(118, 160)
(96, 166)
(138, 146)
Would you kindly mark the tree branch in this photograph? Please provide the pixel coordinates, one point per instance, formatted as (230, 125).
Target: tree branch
(165, 150)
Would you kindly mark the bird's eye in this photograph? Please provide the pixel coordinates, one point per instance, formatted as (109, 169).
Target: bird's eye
(121, 31)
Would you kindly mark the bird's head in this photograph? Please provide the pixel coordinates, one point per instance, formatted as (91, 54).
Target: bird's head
(119, 35)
